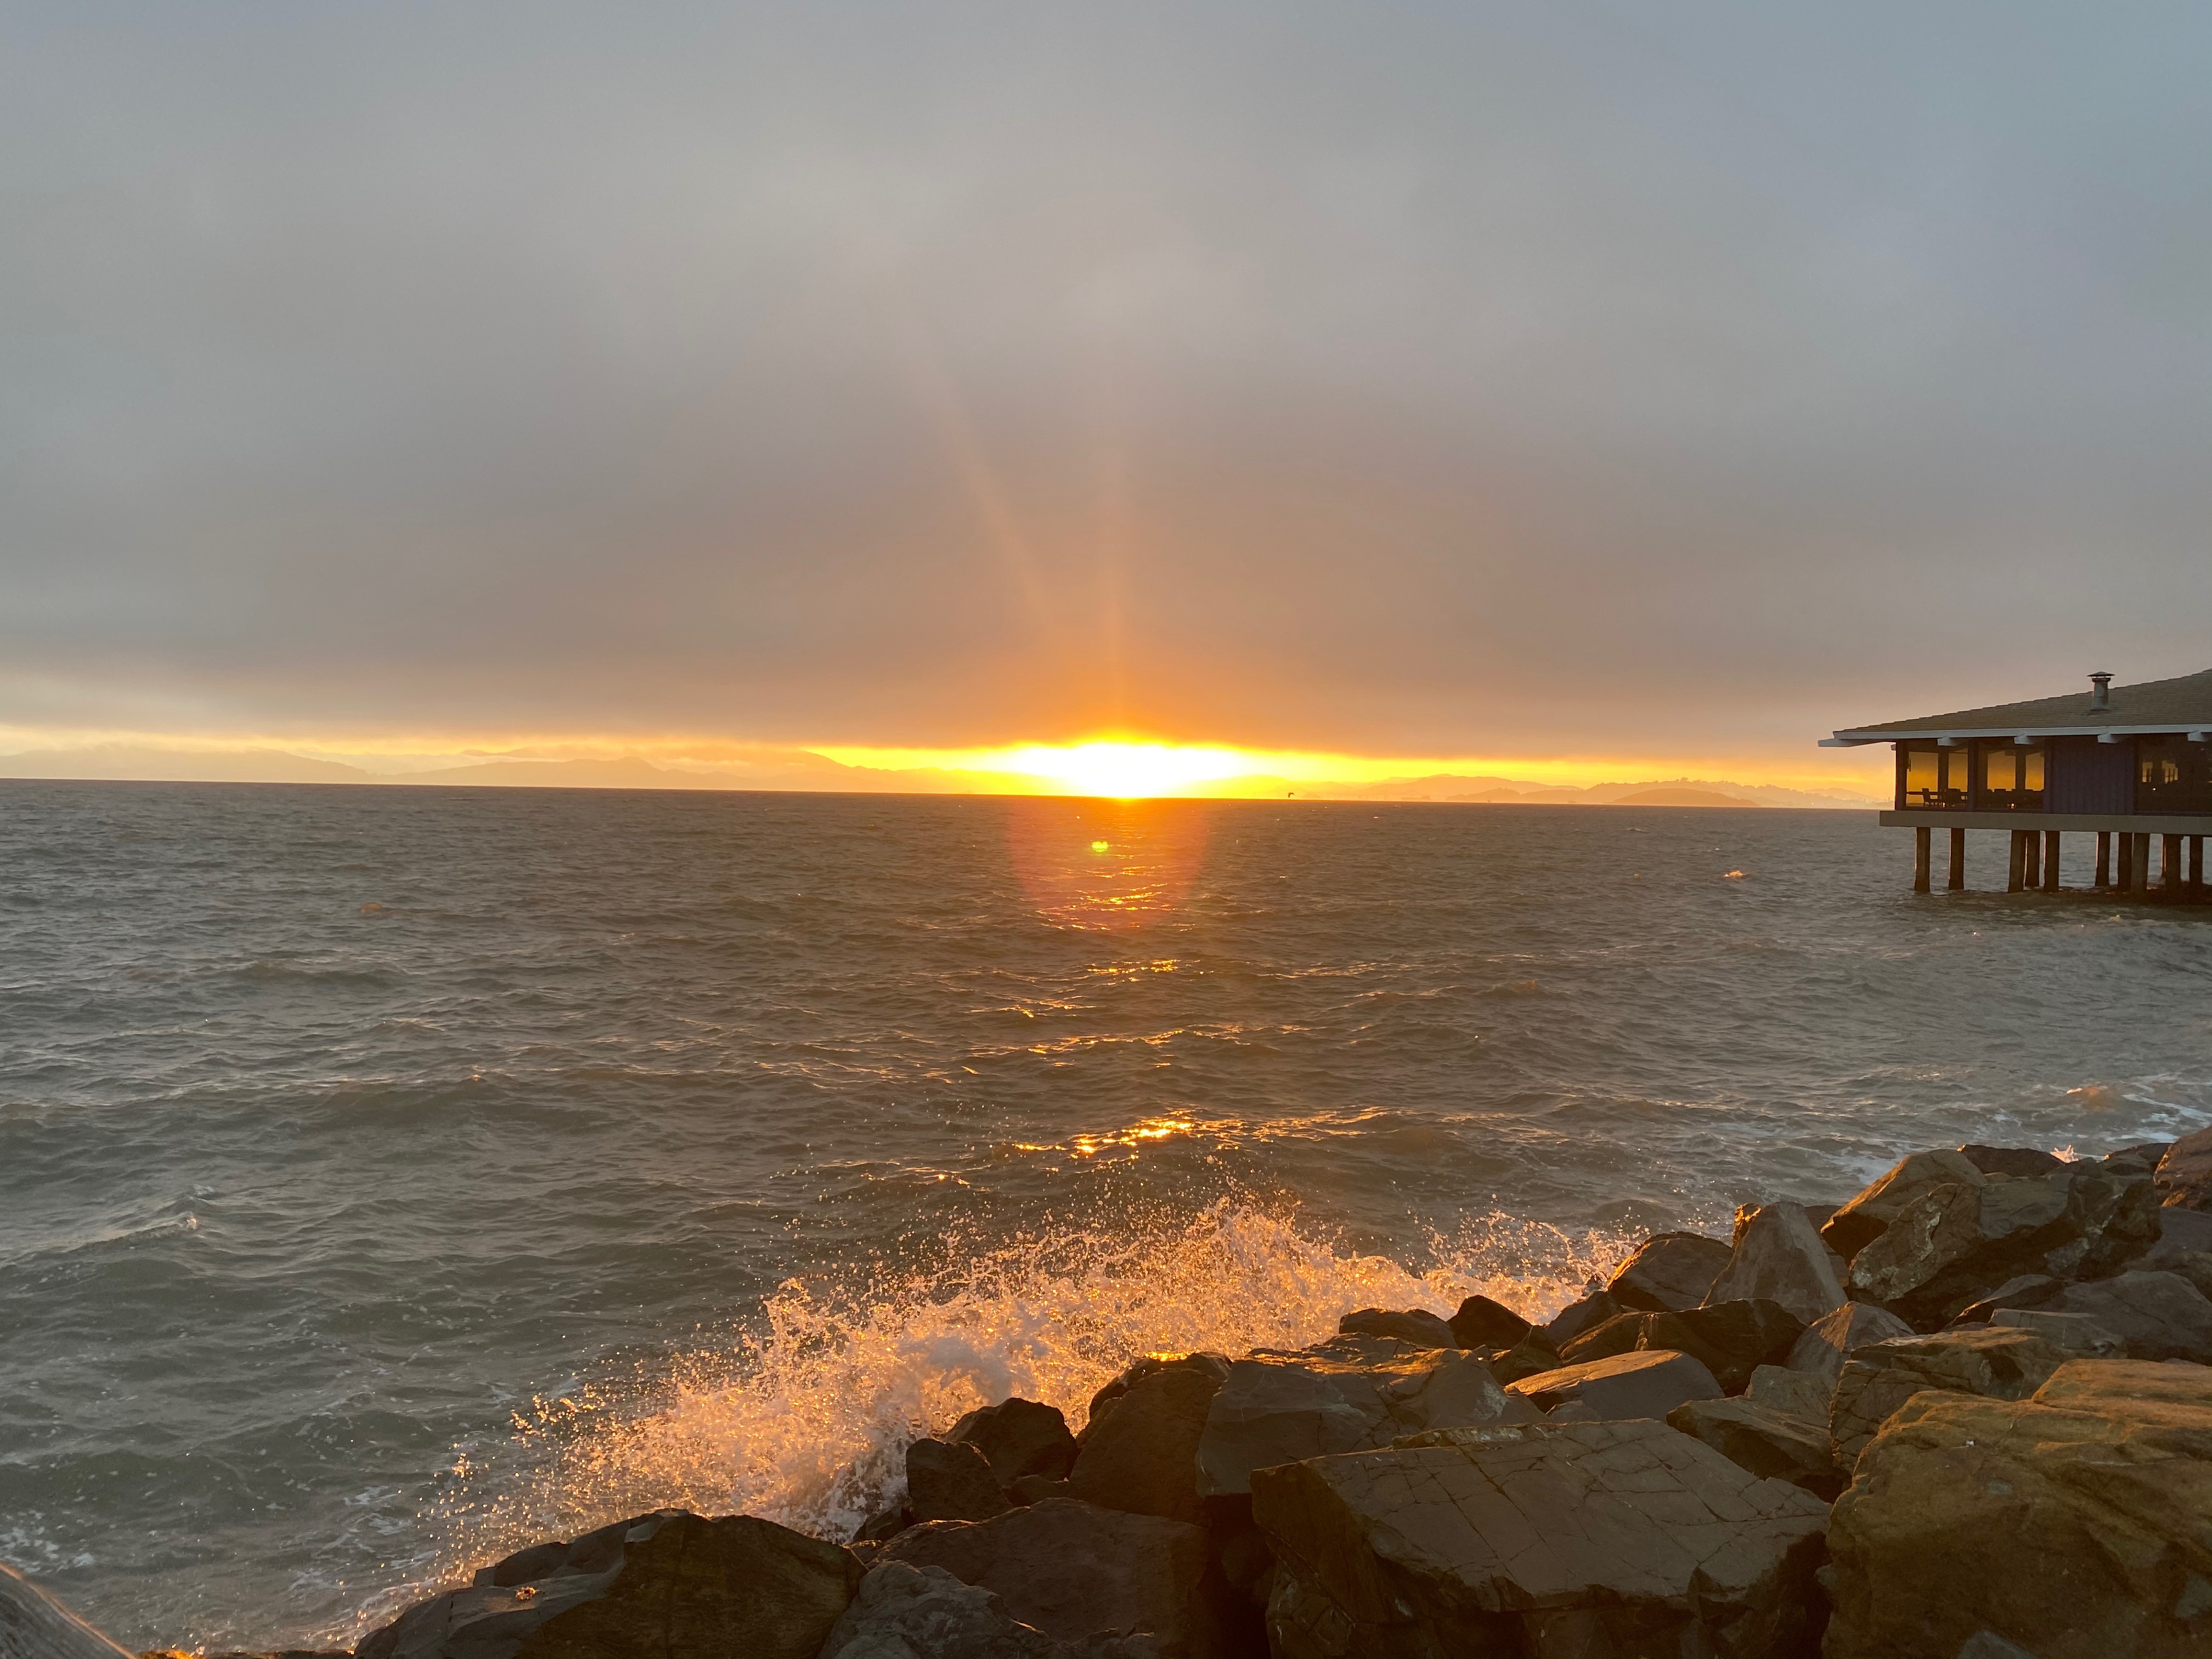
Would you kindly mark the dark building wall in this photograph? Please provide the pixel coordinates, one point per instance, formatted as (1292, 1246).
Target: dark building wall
(2088, 776)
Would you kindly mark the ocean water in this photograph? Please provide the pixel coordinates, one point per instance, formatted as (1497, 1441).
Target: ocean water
(388, 1176)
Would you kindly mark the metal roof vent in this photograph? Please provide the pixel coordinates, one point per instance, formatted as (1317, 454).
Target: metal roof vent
(2101, 690)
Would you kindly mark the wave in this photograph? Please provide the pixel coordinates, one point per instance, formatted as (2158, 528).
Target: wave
(803, 1420)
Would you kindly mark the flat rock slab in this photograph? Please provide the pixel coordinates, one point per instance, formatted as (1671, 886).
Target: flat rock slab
(1076, 1570)
(2069, 1526)
(1730, 1339)
(1995, 1361)
(1648, 1383)
(1594, 1538)
(34, 1625)
(670, 1585)
(1349, 1393)
(1770, 1444)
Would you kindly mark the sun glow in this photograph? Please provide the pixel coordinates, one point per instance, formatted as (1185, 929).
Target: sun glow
(1124, 771)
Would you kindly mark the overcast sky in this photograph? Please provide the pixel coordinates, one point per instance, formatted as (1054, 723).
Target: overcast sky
(1434, 379)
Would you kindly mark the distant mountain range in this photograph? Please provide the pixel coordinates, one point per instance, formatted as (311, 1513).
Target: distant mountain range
(803, 770)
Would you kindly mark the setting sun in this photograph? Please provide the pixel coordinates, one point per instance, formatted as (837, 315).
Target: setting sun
(1124, 771)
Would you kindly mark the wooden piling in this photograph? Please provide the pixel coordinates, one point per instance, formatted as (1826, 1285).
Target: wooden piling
(2124, 878)
(2050, 860)
(2104, 859)
(2196, 868)
(1921, 838)
(2031, 860)
(2141, 888)
(2169, 868)
(1957, 879)
(2016, 875)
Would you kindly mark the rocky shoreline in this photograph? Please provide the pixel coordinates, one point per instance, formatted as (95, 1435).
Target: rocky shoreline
(1965, 1414)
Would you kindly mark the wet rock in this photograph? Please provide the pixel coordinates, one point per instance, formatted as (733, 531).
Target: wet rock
(2184, 1178)
(1866, 1216)
(1992, 1362)
(2068, 1526)
(37, 1625)
(2148, 1153)
(1482, 1323)
(1669, 1273)
(1837, 1334)
(950, 1483)
(1018, 1438)
(902, 1612)
(1955, 1243)
(1571, 1320)
(1415, 1325)
(669, 1585)
(1584, 1538)
(1647, 1383)
(1731, 1340)
(1770, 1444)
(1779, 1258)
(1794, 1394)
(2155, 1316)
(2011, 1160)
(1140, 1453)
(884, 1523)
(2072, 1332)
(1075, 1571)
(1278, 1405)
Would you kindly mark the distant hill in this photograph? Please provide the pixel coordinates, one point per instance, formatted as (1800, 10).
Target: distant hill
(128, 763)
(1675, 795)
(627, 774)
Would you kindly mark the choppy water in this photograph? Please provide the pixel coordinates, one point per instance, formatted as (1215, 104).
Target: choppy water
(386, 1174)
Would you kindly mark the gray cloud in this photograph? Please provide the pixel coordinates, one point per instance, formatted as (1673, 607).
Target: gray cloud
(1422, 379)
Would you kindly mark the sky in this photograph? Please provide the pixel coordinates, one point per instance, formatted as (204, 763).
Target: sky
(1618, 386)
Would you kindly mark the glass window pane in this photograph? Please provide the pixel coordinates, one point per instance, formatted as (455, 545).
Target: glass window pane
(2034, 770)
(1923, 781)
(2000, 772)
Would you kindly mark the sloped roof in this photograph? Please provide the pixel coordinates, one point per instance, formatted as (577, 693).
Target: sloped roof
(2150, 706)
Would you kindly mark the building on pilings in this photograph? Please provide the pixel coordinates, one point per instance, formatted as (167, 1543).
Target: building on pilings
(2131, 764)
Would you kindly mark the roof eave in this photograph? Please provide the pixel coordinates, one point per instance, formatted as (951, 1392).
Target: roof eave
(1854, 737)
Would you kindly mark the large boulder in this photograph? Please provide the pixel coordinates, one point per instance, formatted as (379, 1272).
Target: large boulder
(2184, 1178)
(1668, 1272)
(1580, 1315)
(669, 1585)
(1650, 1383)
(1858, 1223)
(2069, 1526)
(34, 1625)
(1794, 1394)
(1018, 1438)
(1582, 1539)
(2077, 1334)
(1418, 1326)
(1075, 1571)
(1779, 1258)
(949, 1482)
(1834, 1337)
(1770, 1444)
(1278, 1405)
(1483, 1323)
(902, 1612)
(1139, 1452)
(2012, 1160)
(2155, 1316)
(1994, 1362)
(1957, 1241)
(1732, 1339)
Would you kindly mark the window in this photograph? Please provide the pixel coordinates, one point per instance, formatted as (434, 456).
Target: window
(2172, 775)
(1929, 777)
(2011, 776)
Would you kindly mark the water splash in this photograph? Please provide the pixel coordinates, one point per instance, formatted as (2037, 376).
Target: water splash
(805, 1419)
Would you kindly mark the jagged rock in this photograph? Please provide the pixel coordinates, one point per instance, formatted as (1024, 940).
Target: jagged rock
(2069, 1526)
(2148, 1153)
(2181, 1229)
(1836, 1335)
(1772, 1444)
(902, 1612)
(1779, 1258)
(2074, 1333)
(1731, 1340)
(2183, 1179)
(1794, 1394)
(2156, 1316)
(1647, 1383)
(2023, 1291)
(1348, 1393)
(950, 1483)
(1139, 1452)
(1993, 1362)
(1668, 1272)
(1953, 1243)
(668, 1585)
(1415, 1325)
(1482, 1323)
(1583, 1539)
(1571, 1320)
(1529, 1357)
(2011, 1160)
(1018, 1438)
(36, 1625)
(1866, 1216)
(1074, 1570)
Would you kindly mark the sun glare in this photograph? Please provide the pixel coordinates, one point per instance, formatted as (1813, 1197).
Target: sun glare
(1124, 771)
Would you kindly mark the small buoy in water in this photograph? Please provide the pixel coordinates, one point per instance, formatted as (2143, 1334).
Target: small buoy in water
(372, 909)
